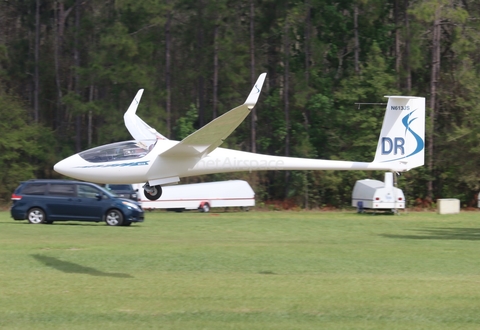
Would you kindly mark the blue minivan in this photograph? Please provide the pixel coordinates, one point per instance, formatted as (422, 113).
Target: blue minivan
(46, 201)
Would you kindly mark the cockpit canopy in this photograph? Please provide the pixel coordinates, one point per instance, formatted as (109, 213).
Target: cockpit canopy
(118, 151)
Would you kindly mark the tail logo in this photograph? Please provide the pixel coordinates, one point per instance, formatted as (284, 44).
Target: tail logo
(397, 144)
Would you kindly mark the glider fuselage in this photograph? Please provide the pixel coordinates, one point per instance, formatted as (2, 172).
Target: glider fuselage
(129, 166)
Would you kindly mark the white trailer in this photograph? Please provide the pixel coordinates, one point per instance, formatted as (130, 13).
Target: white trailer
(201, 196)
(377, 195)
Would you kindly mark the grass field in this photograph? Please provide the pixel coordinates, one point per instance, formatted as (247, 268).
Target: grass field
(243, 270)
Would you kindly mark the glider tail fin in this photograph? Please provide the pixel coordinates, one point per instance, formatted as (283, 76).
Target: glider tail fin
(402, 138)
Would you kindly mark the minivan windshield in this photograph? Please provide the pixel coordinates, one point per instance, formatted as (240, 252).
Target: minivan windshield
(106, 192)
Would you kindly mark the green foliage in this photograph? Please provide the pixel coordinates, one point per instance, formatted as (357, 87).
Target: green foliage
(121, 47)
(26, 150)
(323, 119)
(361, 123)
(186, 124)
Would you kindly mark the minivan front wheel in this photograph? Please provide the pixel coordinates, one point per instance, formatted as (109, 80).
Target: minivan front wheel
(36, 216)
(114, 218)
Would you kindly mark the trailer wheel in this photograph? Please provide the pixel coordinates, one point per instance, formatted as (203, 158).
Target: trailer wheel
(205, 207)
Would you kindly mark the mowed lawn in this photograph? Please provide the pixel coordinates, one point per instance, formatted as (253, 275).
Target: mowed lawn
(244, 270)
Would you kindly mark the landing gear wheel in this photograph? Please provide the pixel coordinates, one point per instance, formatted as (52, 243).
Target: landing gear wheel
(154, 193)
(36, 216)
(114, 218)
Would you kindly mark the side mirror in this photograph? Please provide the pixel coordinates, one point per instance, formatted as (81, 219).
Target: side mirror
(98, 197)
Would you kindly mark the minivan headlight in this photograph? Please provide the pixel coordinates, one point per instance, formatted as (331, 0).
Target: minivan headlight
(131, 205)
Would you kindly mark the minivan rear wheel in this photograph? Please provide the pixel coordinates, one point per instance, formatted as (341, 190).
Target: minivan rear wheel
(36, 215)
(114, 218)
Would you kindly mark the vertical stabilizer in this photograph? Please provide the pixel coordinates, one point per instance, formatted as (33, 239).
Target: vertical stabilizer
(402, 138)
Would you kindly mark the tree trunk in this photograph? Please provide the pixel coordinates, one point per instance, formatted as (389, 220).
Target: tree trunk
(168, 72)
(286, 100)
(60, 15)
(308, 31)
(76, 62)
(37, 59)
(398, 54)
(253, 114)
(356, 40)
(201, 78)
(433, 93)
(56, 59)
(408, 70)
(215, 71)
(286, 81)
(90, 118)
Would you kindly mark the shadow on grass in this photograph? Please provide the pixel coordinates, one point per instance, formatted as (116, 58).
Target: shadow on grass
(469, 234)
(62, 223)
(70, 267)
(66, 223)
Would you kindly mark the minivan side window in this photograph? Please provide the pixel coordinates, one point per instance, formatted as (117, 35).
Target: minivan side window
(87, 191)
(62, 190)
(34, 189)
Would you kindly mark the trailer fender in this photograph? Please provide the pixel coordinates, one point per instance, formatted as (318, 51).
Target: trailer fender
(204, 206)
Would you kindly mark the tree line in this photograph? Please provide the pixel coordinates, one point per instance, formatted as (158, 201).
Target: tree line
(70, 68)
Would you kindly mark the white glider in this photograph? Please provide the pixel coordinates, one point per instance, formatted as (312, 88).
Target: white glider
(158, 161)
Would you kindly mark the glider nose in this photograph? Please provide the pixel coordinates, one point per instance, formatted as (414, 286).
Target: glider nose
(67, 165)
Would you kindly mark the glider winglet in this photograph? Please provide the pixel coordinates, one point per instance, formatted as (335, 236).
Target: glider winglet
(132, 109)
(139, 130)
(255, 93)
